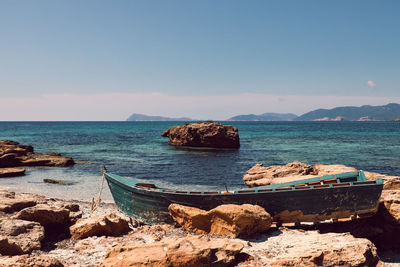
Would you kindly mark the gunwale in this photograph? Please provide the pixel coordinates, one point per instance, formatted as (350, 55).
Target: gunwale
(130, 183)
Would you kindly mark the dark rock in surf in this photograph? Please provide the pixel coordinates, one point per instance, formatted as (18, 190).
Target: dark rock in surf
(52, 181)
(203, 134)
(11, 172)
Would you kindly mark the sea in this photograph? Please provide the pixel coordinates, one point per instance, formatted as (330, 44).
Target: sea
(136, 149)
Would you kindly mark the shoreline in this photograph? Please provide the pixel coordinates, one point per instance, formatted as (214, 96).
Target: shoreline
(92, 251)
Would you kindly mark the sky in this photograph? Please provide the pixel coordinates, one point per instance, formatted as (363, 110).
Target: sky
(104, 60)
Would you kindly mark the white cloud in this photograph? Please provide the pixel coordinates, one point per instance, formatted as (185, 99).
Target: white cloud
(371, 83)
(119, 106)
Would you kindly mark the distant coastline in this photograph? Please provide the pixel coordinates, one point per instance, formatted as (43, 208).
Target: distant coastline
(389, 112)
(142, 117)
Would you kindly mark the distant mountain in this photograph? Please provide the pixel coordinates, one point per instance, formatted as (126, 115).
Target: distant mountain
(141, 117)
(388, 112)
(265, 117)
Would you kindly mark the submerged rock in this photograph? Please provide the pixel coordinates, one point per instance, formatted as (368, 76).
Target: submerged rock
(232, 220)
(13, 154)
(107, 225)
(203, 134)
(53, 181)
(172, 251)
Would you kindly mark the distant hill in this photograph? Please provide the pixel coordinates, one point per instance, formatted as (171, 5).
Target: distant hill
(388, 112)
(141, 117)
(265, 117)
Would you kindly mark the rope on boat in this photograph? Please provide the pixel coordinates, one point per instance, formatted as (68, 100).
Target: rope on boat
(96, 204)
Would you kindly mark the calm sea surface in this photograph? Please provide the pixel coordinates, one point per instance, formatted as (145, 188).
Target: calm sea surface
(136, 149)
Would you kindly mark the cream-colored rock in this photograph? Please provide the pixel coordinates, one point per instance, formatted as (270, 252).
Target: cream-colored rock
(232, 220)
(10, 205)
(390, 182)
(260, 175)
(390, 196)
(46, 215)
(19, 237)
(107, 225)
(310, 248)
(11, 202)
(172, 251)
(30, 261)
(391, 201)
(323, 169)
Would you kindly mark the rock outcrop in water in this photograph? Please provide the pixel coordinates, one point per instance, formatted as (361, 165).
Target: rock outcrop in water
(13, 154)
(203, 134)
(11, 172)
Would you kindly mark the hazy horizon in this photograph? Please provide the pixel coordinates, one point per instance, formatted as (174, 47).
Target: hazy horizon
(103, 61)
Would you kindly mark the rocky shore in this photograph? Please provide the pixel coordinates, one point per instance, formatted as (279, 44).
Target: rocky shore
(14, 155)
(40, 231)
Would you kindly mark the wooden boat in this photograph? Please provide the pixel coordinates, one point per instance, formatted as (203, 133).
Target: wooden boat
(346, 195)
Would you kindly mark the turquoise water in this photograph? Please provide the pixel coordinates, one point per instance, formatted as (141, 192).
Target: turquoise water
(136, 149)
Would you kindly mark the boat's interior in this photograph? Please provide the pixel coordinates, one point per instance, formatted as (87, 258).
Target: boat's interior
(336, 180)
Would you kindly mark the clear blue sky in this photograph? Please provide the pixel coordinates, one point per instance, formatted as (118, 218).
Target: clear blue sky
(198, 49)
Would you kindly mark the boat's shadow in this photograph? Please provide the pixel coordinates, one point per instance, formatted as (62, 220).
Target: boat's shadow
(257, 238)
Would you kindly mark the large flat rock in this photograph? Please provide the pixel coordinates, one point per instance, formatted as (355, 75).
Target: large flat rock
(259, 174)
(171, 251)
(14, 154)
(310, 248)
(11, 172)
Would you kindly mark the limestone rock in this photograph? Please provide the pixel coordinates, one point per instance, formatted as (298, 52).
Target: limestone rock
(203, 134)
(233, 220)
(10, 205)
(390, 182)
(107, 225)
(11, 202)
(391, 201)
(172, 251)
(31, 261)
(323, 169)
(260, 175)
(310, 248)
(11, 172)
(13, 154)
(19, 236)
(46, 215)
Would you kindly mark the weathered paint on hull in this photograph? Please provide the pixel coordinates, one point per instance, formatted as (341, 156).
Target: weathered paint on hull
(308, 205)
